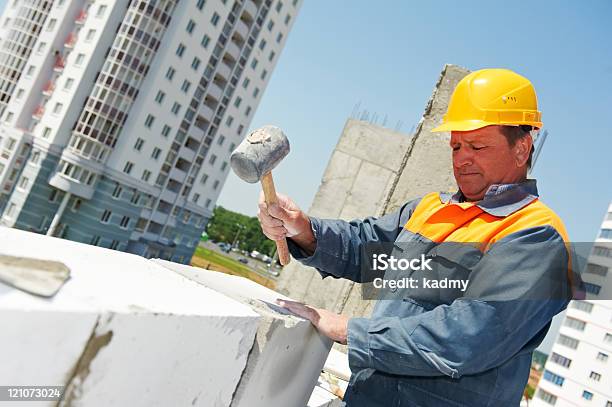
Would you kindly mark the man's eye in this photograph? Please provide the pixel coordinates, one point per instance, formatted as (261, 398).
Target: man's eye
(455, 148)
(477, 148)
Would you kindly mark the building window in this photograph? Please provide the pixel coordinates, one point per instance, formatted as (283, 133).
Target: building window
(208, 202)
(139, 143)
(160, 97)
(597, 269)
(229, 121)
(76, 205)
(200, 4)
(205, 41)
(221, 139)
(553, 378)
(245, 83)
(23, 183)
(568, 341)
(117, 191)
(166, 130)
(195, 198)
(602, 251)
(128, 167)
(575, 323)
(587, 395)
(90, 35)
(224, 166)
(595, 376)
(190, 26)
(140, 225)
(185, 86)
(560, 360)
(101, 11)
(256, 92)
(41, 47)
(68, 84)
(608, 338)
(149, 121)
(270, 25)
(247, 111)
(125, 221)
(215, 19)
(237, 101)
(582, 306)
(156, 153)
(180, 50)
(195, 64)
(114, 245)
(170, 73)
(146, 174)
(212, 159)
(53, 195)
(254, 63)
(30, 70)
(264, 73)
(592, 288)
(279, 37)
(606, 233)
(95, 240)
(34, 159)
(272, 55)
(46, 132)
(262, 44)
(79, 60)
(20, 93)
(547, 397)
(51, 25)
(216, 185)
(239, 130)
(602, 357)
(176, 108)
(106, 215)
(203, 179)
(279, 6)
(57, 108)
(287, 19)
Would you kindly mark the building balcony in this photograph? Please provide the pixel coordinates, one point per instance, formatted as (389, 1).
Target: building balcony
(242, 30)
(250, 10)
(48, 88)
(81, 17)
(207, 113)
(70, 40)
(233, 51)
(215, 91)
(224, 71)
(38, 112)
(59, 64)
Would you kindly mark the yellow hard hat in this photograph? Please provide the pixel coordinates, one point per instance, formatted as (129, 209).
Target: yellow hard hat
(491, 97)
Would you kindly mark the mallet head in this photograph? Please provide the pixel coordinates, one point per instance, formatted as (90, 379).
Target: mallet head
(259, 153)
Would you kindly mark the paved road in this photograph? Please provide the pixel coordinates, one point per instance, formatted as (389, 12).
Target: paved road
(256, 265)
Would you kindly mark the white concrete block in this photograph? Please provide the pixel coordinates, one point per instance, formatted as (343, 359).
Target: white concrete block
(124, 330)
(288, 353)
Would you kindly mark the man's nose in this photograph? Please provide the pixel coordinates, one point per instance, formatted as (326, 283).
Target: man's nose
(462, 157)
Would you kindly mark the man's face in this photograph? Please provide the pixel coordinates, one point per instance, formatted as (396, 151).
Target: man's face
(483, 157)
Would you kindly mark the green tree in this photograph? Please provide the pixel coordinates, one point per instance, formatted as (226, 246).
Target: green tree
(226, 225)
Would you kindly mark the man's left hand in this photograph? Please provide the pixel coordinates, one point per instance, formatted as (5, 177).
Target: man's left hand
(332, 325)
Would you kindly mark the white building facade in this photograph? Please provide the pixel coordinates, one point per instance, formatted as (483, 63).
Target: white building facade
(578, 371)
(117, 118)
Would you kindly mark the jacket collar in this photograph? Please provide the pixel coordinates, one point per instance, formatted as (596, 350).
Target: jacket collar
(500, 199)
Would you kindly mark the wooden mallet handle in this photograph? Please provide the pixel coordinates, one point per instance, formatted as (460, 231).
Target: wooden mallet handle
(267, 185)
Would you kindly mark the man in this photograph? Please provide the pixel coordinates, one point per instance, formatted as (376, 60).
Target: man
(450, 348)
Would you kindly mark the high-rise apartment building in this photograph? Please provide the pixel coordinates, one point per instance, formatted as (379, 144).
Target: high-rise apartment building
(578, 371)
(117, 118)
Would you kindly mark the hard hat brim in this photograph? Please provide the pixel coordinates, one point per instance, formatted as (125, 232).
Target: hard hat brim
(462, 125)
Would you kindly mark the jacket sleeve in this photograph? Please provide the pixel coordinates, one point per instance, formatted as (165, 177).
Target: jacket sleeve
(340, 243)
(514, 292)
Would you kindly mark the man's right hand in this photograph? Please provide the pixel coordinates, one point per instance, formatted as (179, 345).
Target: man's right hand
(286, 220)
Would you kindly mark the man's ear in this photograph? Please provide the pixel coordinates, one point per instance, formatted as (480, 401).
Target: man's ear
(522, 149)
